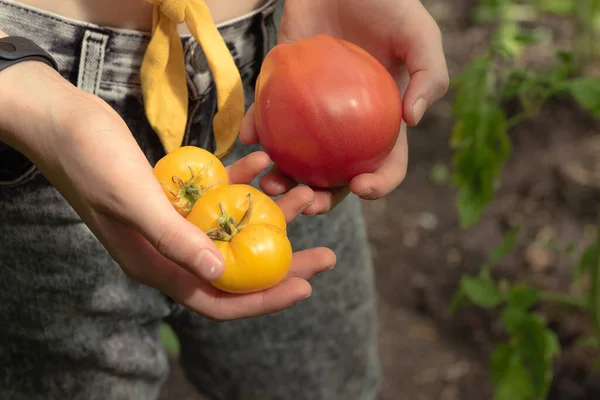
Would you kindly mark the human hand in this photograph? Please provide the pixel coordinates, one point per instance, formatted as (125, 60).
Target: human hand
(403, 36)
(87, 152)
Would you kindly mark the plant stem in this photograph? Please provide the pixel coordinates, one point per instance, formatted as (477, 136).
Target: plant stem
(520, 117)
(594, 295)
(562, 298)
(585, 35)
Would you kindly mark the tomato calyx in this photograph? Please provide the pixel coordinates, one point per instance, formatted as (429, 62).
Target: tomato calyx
(228, 226)
(189, 191)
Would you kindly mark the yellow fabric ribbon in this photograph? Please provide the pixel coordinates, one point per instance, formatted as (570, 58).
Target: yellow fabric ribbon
(164, 84)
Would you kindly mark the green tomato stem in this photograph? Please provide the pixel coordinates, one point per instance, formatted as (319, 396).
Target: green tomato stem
(228, 227)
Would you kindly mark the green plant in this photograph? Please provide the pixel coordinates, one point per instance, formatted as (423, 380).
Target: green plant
(480, 134)
(169, 340)
(521, 367)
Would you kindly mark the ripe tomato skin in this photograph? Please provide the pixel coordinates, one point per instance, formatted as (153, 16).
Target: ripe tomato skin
(326, 110)
(256, 259)
(174, 173)
(258, 256)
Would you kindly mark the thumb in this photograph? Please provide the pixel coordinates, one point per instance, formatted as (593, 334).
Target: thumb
(419, 45)
(175, 237)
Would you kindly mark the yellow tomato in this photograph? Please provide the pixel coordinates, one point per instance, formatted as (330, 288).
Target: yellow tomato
(187, 173)
(249, 229)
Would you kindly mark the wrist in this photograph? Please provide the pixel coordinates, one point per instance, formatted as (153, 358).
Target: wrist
(30, 94)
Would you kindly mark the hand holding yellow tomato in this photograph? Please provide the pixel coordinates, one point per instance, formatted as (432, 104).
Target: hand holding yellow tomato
(204, 297)
(249, 230)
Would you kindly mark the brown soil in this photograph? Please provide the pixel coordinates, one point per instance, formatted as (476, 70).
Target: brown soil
(420, 252)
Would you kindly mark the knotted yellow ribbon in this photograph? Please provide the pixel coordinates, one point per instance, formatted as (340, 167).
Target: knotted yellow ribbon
(164, 84)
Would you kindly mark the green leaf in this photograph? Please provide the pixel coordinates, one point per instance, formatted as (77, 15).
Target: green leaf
(506, 246)
(473, 86)
(500, 361)
(523, 296)
(559, 7)
(481, 292)
(169, 340)
(587, 93)
(594, 292)
(483, 146)
(596, 367)
(586, 261)
(561, 69)
(511, 40)
(521, 12)
(538, 346)
(457, 300)
(513, 80)
(522, 368)
(512, 318)
(552, 343)
(515, 382)
(505, 40)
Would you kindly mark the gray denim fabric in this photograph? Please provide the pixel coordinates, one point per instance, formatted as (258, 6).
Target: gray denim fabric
(73, 326)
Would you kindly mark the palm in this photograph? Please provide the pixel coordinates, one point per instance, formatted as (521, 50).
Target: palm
(130, 248)
(347, 20)
(118, 211)
(403, 36)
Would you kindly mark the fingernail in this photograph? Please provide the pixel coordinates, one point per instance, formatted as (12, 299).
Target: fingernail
(306, 296)
(279, 188)
(304, 207)
(366, 194)
(419, 109)
(208, 265)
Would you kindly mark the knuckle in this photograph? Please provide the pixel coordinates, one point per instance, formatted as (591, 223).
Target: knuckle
(165, 242)
(436, 30)
(443, 83)
(305, 195)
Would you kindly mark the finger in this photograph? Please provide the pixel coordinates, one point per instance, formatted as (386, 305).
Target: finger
(326, 200)
(276, 183)
(144, 206)
(380, 183)
(246, 169)
(308, 263)
(248, 133)
(228, 306)
(419, 45)
(203, 298)
(182, 242)
(295, 201)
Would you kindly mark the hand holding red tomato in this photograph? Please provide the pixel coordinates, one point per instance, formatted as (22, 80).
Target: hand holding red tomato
(403, 36)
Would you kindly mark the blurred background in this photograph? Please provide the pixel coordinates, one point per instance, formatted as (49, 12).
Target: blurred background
(486, 256)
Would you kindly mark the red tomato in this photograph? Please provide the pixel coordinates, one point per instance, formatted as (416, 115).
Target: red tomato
(326, 110)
